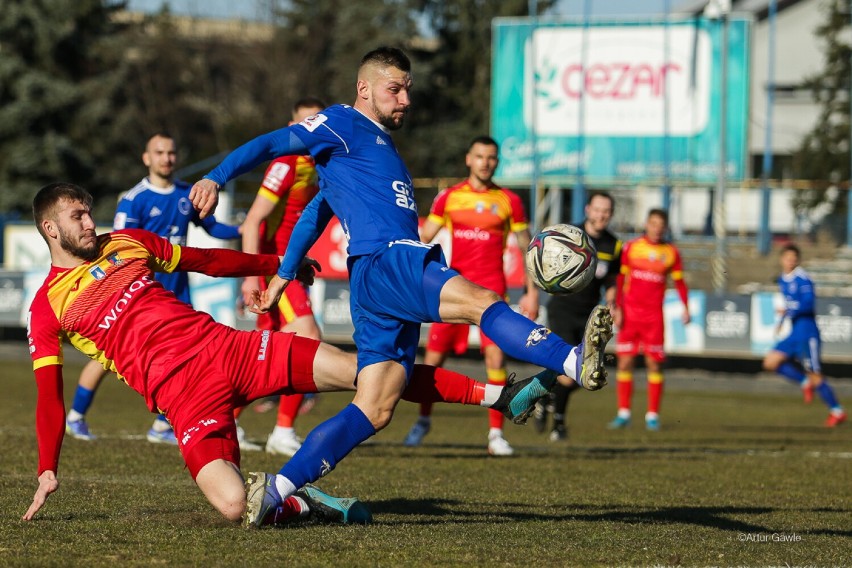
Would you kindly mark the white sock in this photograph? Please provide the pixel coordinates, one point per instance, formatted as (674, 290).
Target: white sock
(570, 364)
(283, 431)
(284, 486)
(624, 413)
(161, 425)
(651, 415)
(74, 416)
(492, 393)
(495, 433)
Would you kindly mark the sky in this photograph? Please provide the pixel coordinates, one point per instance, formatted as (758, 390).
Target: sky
(254, 9)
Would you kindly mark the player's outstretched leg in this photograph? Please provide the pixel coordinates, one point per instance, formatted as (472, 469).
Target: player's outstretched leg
(517, 399)
(327, 509)
(591, 373)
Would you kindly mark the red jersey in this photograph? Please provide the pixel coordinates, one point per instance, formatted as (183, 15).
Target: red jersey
(290, 183)
(479, 222)
(645, 267)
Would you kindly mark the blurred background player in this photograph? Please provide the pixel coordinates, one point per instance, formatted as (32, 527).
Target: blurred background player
(797, 356)
(289, 184)
(159, 204)
(566, 315)
(479, 216)
(646, 263)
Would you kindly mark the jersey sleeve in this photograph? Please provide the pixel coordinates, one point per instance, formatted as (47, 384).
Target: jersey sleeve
(126, 215)
(308, 229)
(44, 337)
(439, 208)
(518, 219)
(324, 133)
(278, 179)
(679, 282)
(216, 229)
(281, 142)
(614, 267)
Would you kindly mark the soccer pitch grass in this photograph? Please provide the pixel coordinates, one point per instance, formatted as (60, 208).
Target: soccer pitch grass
(734, 478)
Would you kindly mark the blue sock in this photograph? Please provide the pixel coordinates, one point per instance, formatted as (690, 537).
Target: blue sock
(791, 371)
(523, 339)
(826, 393)
(83, 398)
(327, 444)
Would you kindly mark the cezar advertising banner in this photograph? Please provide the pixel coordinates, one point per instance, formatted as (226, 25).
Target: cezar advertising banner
(619, 103)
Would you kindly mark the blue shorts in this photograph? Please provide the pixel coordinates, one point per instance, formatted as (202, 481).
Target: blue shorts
(803, 344)
(392, 292)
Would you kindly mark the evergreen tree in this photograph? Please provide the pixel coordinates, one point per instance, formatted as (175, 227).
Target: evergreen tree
(824, 152)
(57, 69)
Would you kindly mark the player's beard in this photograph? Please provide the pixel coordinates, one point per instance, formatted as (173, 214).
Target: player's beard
(85, 252)
(388, 120)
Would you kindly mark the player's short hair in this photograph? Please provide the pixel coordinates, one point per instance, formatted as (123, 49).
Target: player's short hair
(661, 213)
(308, 102)
(158, 134)
(605, 195)
(486, 140)
(48, 197)
(387, 56)
(791, 247)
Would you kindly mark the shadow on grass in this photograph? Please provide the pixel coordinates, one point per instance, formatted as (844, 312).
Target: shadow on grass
(444, 510)
(760, 447)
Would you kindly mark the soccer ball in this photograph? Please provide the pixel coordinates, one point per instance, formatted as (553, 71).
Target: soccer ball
(561, 259)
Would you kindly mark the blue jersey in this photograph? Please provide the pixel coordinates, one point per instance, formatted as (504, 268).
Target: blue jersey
(799, 295)
(362, 180)
(167, 212)
(362, 177)
(799, 303)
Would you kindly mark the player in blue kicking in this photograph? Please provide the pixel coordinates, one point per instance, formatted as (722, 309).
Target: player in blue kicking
(160, 204)
(797, 356)
(396, 281)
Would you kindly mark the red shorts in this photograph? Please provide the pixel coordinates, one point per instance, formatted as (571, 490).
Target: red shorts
(234, 369)
(642, 335)
(446, 337)
(295, 302)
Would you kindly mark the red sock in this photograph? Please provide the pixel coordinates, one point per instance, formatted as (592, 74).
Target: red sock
(433, 384)
(655, 392)
(496, 377)
(288, 407)
(291, 507)
(624, 389)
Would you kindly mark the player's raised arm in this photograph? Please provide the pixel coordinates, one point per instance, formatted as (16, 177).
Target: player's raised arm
(309, 227)
(204, 194)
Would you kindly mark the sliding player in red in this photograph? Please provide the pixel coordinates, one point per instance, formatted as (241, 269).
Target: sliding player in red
(100, 295)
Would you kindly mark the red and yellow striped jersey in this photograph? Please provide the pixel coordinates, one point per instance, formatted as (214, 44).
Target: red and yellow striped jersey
(479, 222)
(645, 267)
